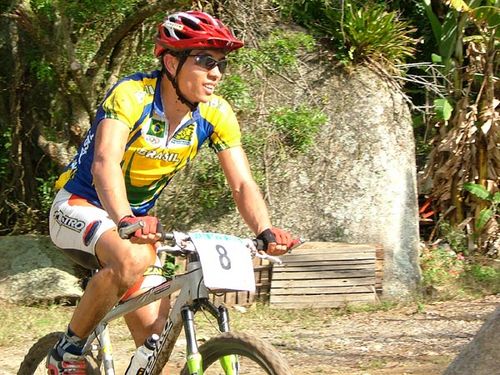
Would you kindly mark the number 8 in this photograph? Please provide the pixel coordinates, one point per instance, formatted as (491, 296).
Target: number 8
(224, 260)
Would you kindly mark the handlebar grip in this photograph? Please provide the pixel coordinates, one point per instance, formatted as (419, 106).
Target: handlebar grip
(126, 232)
(259, 244)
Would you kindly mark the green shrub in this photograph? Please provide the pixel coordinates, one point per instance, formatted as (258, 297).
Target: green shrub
(456, 238)
(493, 200)
(482, 279)
(235, 89)
(356, 30)
(279, 52)
(441, 266)
(483, 273)
(212, 191)
(298, 126)
(372, 32)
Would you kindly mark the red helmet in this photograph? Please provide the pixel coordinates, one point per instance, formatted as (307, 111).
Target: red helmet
(194, 30)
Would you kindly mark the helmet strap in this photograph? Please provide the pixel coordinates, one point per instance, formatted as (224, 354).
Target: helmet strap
(182, 56)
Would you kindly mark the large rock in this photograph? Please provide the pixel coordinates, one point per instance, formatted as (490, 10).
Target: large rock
(357, 183)
(482, 355)
(32, 271)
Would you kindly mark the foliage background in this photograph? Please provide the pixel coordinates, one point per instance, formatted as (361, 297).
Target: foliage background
(59, 58)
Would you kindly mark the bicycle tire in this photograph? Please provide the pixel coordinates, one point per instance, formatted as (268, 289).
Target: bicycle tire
(265, 356)
(38, 353)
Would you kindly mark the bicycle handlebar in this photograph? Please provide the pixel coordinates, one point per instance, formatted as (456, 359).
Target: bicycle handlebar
(126, 232)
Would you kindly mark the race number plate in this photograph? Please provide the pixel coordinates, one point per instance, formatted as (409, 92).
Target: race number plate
(225, 261)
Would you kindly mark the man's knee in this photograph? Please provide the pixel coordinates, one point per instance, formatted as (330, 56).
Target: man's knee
(129, 263)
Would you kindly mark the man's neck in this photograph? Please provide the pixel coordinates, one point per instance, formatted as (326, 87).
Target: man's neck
(173, 108)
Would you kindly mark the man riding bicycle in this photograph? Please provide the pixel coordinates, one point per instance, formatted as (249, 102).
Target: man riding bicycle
(149, 126)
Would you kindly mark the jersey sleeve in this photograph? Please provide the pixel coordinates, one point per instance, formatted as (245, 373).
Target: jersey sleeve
(121, 104)
(226, 130)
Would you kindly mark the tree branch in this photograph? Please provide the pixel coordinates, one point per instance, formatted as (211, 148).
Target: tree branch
(148, 9)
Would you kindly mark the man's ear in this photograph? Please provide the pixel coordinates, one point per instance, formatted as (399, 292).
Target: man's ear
(170, 62)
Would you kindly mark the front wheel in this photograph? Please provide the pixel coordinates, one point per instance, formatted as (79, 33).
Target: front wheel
(255, 356)
(34, 361)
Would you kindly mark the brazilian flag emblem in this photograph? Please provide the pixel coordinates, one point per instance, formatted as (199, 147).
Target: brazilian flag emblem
(156, 128)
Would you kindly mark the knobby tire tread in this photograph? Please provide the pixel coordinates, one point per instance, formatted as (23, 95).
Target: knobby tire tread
(37, 353)
(243, 344)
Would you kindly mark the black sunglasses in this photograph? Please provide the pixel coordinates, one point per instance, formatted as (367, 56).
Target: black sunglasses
(208, 62)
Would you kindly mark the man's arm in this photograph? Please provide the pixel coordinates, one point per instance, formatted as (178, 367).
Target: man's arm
(111, 139)
(110, 144)
(245, 191)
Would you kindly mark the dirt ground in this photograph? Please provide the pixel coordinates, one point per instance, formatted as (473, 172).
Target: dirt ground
(414, 339)
(401, 341)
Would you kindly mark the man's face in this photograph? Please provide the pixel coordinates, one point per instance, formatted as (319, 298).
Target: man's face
(200, 74)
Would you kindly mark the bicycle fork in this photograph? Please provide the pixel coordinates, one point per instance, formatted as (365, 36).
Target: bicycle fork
(193, 356)
(229, 363)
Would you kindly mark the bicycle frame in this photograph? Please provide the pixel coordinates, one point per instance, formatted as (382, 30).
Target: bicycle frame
(193, 296)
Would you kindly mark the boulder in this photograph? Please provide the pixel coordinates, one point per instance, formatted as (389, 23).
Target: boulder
(482, 355)
(33, 271)
(357, 182)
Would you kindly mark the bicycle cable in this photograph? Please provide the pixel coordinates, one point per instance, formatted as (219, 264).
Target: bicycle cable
(203, 310)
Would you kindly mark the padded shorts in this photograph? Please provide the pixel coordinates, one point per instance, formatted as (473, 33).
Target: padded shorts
(75, 226)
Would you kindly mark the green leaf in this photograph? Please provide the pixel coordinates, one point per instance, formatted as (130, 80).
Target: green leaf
(437, 29)
(443, 109)
(436, 59)
(488, 14)
(448, 42)
(478, 190)
(496, 197)
(484, 216)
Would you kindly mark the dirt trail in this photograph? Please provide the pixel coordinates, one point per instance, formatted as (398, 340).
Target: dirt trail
(396, 342)
(401, 341)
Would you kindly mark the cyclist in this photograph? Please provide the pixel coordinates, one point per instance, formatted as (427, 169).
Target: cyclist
(148, 127)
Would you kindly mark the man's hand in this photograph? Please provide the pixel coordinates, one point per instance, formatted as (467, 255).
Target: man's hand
(150, 232)
(276, 241)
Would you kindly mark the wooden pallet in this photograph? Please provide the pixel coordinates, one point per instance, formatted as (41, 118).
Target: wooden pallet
(327, 274)
(262, 271)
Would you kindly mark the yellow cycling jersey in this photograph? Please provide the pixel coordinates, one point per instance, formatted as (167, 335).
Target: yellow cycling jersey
(150, 159)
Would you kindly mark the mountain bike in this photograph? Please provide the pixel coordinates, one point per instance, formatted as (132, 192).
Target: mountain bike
(214, 262)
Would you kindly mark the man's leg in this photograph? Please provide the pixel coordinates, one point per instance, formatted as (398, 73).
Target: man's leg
(147, 320)
(123, 263)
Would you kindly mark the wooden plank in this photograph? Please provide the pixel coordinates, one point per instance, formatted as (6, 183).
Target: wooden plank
(299, 292)
(321, 275)
(333, 262)
(339, 256)
(328, 251)
(325, 274)
(230, 299)
(314, 300)
(318, 305)
(310, 268)
(323, 282)
(242, 298)
(332, 246)
(347, 270)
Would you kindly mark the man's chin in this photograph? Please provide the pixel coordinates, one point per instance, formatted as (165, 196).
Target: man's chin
(204, 98)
